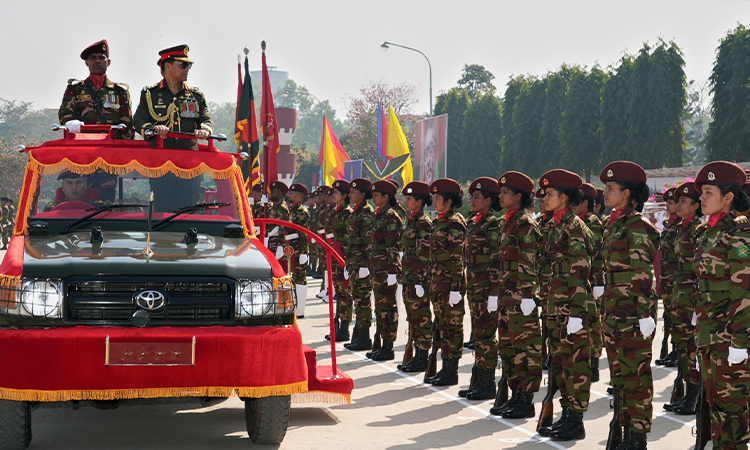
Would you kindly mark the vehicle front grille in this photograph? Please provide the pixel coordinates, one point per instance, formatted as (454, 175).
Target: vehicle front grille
(188, 299)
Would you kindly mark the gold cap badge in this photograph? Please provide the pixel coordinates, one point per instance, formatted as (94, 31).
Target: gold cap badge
(610, 174)
(711, 176)
(502, 180)
(685, 190)
(544, 181)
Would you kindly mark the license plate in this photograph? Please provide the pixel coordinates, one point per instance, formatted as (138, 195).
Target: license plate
(149, 353)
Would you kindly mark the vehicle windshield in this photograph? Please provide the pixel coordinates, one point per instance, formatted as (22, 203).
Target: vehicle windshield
(66, 195)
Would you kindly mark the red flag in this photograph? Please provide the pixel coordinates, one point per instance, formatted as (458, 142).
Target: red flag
(269, 127)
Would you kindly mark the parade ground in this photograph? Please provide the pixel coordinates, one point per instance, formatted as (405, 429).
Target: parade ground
(389, 410)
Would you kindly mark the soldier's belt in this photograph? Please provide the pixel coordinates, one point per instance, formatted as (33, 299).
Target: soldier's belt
(289, 237)
(560, 268)
(685, 267)
(321, 231)
(713, 286)
(474, 259)
(625, 276)
(329, 236)
(509, 266)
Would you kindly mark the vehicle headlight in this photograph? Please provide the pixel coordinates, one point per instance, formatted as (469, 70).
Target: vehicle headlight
(42, 298)
(254, 298)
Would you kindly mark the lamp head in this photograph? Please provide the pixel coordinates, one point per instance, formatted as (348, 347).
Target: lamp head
(384, 46)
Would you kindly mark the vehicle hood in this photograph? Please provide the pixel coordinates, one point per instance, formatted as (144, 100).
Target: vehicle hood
(122, 253)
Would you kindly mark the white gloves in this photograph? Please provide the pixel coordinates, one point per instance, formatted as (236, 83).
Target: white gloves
(303, 258)
(737, 355)
(598, 291)
(312, 240)
(454, 298)
(264, 198)
(647, 326)
(73, 126)
(279, 252)
(492, 303)
(694, 320)
(420, 290)
(251, 201)
(400, 254)
(528, 306)
(575, 324)
(364, 272)
(346, 274)
(391, 279)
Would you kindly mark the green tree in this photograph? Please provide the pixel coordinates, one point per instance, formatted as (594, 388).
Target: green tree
(697, 118)
(527, 123)
(307, 163)
(482, 138)
(554, 105)
(615, 99)
(729, 133)
(476, 80)
(511, 151)
(455, 103)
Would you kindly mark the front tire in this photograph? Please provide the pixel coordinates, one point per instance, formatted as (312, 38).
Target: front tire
(267, 418)
(15, 425)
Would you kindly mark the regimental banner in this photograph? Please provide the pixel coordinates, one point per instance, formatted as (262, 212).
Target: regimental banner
(431, 149)
(353, 169)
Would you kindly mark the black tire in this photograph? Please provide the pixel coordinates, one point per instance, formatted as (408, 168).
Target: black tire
(267, 418)
(15, 425)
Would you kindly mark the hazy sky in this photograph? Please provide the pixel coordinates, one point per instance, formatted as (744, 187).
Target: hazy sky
(333, 47)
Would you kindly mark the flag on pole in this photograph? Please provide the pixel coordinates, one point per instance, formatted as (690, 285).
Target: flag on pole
(269, 126)
(398, 146)
(332, 156)
(246, 129)
(382, 133)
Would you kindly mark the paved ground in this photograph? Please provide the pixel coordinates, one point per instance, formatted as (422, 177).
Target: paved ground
(389, 410)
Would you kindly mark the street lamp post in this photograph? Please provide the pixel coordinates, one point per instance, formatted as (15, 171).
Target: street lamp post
(385, 47)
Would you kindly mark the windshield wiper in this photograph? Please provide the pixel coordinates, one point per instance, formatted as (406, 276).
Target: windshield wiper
(96, 212)
(187, 210)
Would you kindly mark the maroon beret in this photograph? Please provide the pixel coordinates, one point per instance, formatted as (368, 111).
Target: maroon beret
(599, 194)
(560, 178)
(669, 194)
(321, 190)
(588, 190)
(445, 185)
(623, 171)
(687, 189)
(280, 186)
(298, 187)
(721, 173)
(341, 186)
(516, 180)
(746, 188)
(394, 182)
(416, 188)
(385, 187)
(484, 184)
(329, 191)
(97, 47)
(361, 184)
(540, 193)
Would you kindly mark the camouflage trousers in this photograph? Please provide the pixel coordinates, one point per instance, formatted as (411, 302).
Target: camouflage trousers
(555, 360)
(595, 331)
(299, 272)
(484, 327)
(7, 234)
(450, 324)
(727, 394)
(575, 365)
(683, 334)
(386, 308)
(668, 303)
(361, 289)
(343, 295)
(520, 345)
(629, 355)
(419, 317)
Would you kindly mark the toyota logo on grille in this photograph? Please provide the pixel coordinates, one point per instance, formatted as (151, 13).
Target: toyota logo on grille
(150, 300)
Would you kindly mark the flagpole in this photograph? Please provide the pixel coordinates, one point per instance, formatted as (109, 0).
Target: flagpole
(265, 153)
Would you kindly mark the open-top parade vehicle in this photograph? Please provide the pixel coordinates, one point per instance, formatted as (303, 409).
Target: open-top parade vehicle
(109, 292)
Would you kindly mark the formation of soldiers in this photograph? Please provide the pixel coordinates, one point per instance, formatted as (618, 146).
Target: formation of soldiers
(7, 220)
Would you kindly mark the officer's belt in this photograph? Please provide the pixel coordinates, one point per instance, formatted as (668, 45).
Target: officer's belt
(685, 267)
(443, 257)
(561, 268)
(474, 259)
(622, 277)
(509, 266)
(713, 286)
(358, 241)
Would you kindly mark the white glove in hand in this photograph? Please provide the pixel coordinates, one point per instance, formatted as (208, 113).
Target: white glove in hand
(73, 126)
(391, 279)
(400, 254)
(454, 298)
(279, 252)
(303, 259)
(694, 320)
(419, 289)
(251, 201)
(647, 326)
(492, 303)
(598, 291)
(737, 355)
(346, 274)
(575, 324)
(364, 272)
(527, 306)
(312, 240)
(264, 198)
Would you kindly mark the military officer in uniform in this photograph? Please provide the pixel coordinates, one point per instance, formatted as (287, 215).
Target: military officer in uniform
(97, 99)
(275, 235)
(299, 215)
(171, 105)
(9, 217)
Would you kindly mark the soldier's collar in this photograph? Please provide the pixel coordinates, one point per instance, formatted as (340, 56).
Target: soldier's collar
(163, 83)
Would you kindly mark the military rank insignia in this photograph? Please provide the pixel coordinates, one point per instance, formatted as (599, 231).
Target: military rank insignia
(577, 247)
(528, 239)
(637, 239)
(743, 251)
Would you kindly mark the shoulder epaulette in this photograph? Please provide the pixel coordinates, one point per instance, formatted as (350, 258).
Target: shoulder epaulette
(145, 88)
(122, 85)
(195, 89)
(73, 82)
(741, 223)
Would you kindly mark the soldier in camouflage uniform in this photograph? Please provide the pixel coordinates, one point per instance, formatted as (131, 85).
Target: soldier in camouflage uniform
(722, 264)
(8, 220)
(385, 266)
(684, 295)
(255, 199)
(299, 215)
(398, 207)
(668, 267)
(275, 239)
(416, 245)
(448, 279)
(585, 210)
(520, 337)
(629, 248)
(339, 220)
(315, 211)
(599, 205)
(97, 99)
(357, 252)
(543, 273)
(569, 246)
(482, 255)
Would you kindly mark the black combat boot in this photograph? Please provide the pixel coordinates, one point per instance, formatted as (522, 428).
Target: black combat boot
(594, 369)
(384, 353)
(418, 363)
(470, 343)
(448, 375)
(672, 359)
(524, 407)
(485, 388)
(627, 439)
(499, 410)
(571, 430)
(545, 431)
(342, 331)
(637, 441)
(689, 401)
(362, 342)
(472, 382)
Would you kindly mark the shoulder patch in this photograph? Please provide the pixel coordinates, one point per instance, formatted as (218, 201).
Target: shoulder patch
(155, 85)
(123, 85)
(528, 239)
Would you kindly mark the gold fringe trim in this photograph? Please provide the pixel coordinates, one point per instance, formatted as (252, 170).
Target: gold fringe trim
(23, 216)
(239, 193)
(10, 281)
(151, 172)
(332, 398)
(125, 394)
